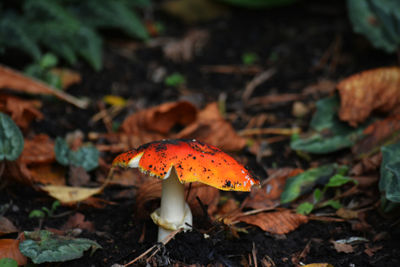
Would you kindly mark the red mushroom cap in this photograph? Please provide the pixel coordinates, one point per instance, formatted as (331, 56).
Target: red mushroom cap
(193, 161)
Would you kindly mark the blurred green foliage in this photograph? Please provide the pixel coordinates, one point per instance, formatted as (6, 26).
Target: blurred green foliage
(378, 20)
(68, 28)
(258, 3)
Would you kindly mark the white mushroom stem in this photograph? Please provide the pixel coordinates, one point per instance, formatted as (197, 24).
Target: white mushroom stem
(174, 212)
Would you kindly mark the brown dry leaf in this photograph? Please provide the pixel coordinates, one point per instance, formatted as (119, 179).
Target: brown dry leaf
(9, 248)
(368, 91)
(276, 222)
(68, 77)
(21, 111)
(70, 194)
(47, 174)
(210, 127)
(186, 48)
(11, 79)
(209, 197)
(78, 221)
(6, 226)
(377, 134)
(323, 86)
(347, 214)
(160, 119)
(367, 165)
(269, 194)
(343, 247)
(16, 171)
(39, 149)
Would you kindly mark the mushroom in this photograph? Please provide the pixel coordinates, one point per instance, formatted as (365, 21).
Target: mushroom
(182, 161)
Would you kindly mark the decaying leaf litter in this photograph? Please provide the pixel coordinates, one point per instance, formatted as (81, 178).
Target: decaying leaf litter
(326, 204)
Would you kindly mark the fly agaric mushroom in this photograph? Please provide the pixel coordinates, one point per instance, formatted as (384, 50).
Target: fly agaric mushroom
(181, 161)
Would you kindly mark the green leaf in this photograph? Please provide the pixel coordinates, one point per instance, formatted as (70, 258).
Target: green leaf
(389, 182)
(11, 139)
(305, 208)
(175, 80)
(333, 203)
(317, 195)
(303, 182)
(7, 262)
(86, 157)
(338, 180)
(330, 134)
(249, 58)
(62, 151)
(36, 214)
(378, 20)
(48, 61)
(44, 246)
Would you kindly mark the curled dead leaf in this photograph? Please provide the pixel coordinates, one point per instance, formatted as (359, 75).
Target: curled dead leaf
(210, 127)
(368, 91)
(78, 221)
(276, 222)
(9, 248)
(21, 111)
(343, 247)
(209, 197)
(160, 119)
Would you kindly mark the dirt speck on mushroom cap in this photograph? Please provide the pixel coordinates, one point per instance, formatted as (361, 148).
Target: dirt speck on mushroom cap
(193, 161)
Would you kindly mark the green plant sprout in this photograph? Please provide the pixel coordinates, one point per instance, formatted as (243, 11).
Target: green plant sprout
(249, 58)
(334, 182)
(174, 80)
(44, 211)
(41, 70)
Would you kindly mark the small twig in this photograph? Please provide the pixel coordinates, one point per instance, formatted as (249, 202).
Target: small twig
(278, 131)
(256, 81)
(254, 253)
(157, 246)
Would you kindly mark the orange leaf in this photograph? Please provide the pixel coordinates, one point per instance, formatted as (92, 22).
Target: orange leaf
(16, 81)
(21, 111)
(210, 127)
(9, 248)
(277, 222)
(40, 149)
(368, 91)
(160, 119)
(68, 77)
(47, 174)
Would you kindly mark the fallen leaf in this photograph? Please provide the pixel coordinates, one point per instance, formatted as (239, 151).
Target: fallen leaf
(347, 213)
(270, 192)
(78, 221)
(6, 226)
(160, 119)
(47, 174)
(68, 77)
(272, 100)
(185, 49)
(377, 134)
(9, 248)
(39, 149)
(368, 91)
(17, 172)
(21, 111)
(11, 79)
(323, 86)
(210, 127)
(370, 251)
(343, 247)
(367, 165)
(276, 222)
(70, 194)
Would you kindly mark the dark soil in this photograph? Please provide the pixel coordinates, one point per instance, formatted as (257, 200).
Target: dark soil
(291, 39)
